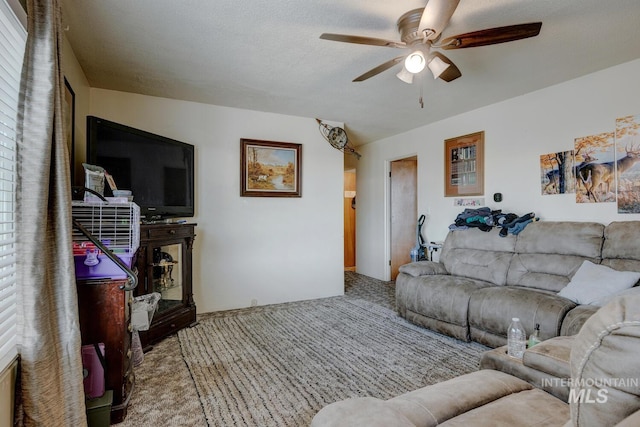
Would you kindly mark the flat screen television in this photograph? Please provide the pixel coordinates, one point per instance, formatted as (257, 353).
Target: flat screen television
(159, 171)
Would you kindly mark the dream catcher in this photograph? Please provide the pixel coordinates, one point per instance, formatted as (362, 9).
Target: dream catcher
(337, 137)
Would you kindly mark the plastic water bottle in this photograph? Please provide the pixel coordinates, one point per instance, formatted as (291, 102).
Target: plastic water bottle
(516, 339)
(414, 255)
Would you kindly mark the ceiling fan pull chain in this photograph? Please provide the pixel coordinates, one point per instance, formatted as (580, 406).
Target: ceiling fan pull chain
(421, 93)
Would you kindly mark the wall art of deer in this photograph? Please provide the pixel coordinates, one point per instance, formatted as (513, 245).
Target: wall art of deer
(587, 158)
(553, 176)
(596, 175)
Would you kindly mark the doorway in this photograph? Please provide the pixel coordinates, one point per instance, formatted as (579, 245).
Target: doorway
(403, 209)
(350, 220)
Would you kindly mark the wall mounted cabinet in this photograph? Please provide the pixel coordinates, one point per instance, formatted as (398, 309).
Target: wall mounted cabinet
(464, 165)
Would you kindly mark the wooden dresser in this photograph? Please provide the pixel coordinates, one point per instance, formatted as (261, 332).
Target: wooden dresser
(105, 316)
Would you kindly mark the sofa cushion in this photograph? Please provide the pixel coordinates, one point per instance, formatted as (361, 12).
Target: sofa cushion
(582, 239)
(482, 398)
(362, 411)
(547, 272)
(549, 253)
(441, 297)
(528, 408)
(491, 310)
(432, 405)
(621, 241)
(478, 255)
(621, 264)
(604, 364)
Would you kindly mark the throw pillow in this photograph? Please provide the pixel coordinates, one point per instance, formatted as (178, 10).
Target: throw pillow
(593, 281)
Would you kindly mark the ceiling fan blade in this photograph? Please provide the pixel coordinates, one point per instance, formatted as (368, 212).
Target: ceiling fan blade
(372, 41)
(380, 68)
(491, 36)
(452, 72)
(436, 16)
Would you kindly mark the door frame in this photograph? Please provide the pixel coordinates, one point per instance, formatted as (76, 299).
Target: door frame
(355, 249)
(387, 207)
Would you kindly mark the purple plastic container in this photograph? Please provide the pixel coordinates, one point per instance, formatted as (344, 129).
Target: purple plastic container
(104, 269)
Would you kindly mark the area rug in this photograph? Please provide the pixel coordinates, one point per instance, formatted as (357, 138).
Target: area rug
(279, 365)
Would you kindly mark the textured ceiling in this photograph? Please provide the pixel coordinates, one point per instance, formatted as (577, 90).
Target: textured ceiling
(266, 55)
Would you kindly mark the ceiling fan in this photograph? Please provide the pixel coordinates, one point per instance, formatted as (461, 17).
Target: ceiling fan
(420, 30)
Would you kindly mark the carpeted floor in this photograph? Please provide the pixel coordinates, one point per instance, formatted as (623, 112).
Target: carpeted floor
(278, 365)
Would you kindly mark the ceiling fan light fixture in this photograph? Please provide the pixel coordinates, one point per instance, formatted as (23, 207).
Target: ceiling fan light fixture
(415, 62)
(405, 76)
(437, 66)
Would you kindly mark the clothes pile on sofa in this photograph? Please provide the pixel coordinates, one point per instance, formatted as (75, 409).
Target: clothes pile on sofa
(485, 219)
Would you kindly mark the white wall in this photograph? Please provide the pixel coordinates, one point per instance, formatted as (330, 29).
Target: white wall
(517, 132)
(268, 249)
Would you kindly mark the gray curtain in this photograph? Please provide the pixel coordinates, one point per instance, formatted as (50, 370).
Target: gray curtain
(51, 390)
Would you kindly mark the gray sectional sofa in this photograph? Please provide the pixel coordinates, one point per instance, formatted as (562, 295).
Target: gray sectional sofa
(601, 367)
(482, 279)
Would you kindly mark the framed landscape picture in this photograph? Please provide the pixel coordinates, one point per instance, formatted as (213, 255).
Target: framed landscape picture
(270, 169)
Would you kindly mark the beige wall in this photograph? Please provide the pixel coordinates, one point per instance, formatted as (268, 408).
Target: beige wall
(266, 249)
(249, 248)
(517, 132)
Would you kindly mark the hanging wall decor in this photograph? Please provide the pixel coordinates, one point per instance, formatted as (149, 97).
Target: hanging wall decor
(555, 173)
(270, 169)
(337, 137)
(627, 166)
(594, 168)
(464, 165)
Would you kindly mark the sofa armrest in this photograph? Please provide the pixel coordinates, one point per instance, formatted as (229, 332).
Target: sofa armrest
(550, 356)
(423, 268)
(497, 359)
(573, 321)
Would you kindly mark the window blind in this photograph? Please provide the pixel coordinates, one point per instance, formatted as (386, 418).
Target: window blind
(12, 43)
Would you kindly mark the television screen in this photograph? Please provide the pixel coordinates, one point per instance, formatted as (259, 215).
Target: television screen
(158, 170)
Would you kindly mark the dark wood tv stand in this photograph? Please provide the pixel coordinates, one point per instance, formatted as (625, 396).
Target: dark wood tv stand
(164, 265)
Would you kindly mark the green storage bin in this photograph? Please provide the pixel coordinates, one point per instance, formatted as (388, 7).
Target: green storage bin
(99, 410)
